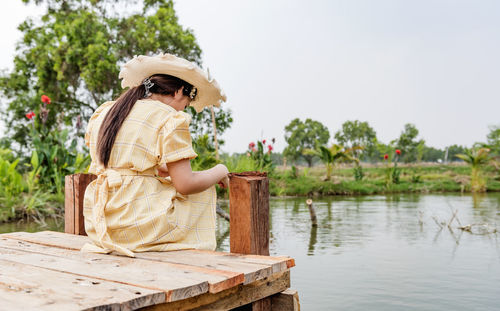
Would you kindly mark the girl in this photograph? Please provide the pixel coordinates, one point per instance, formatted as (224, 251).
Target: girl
(145, 197)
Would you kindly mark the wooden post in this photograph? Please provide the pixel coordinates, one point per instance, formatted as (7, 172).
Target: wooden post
(74, 190)
(312, 212)
(249, 212)
(249, 220)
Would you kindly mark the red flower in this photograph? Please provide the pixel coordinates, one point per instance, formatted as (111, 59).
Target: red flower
(270, 148)
(264, 141)
(386, 156)
(251, 145)
(30, 115)
(45, 99)
(253, 149)
(398, 152)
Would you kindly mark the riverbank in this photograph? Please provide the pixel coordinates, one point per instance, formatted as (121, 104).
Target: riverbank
(303, 181)
(423, 178)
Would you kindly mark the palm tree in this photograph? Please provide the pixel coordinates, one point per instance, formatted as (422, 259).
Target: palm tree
(476, 158)
(331, 156)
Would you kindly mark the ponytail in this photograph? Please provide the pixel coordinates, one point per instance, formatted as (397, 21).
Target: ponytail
(114, 120)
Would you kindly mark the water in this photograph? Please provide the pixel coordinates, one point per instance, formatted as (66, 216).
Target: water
(388, 253)
(383, 252)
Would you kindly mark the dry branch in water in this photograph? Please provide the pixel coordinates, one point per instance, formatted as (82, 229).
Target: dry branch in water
(479, 229)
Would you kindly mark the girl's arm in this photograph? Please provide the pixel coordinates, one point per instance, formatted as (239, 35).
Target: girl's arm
(188, 182)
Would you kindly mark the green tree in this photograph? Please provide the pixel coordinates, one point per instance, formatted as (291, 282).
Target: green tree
(73, 54)
(201, 124)
(358, 134)
(494, 140)
(408, 143)
(304, 135)
(453, 151)
(331, 156)
(431, 154)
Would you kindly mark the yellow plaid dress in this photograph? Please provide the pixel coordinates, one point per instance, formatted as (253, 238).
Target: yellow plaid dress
(128, 208)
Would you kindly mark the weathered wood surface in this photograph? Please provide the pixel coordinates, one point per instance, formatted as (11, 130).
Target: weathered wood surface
(32, 288)
(252, 267)
(177, 284)
(231, 298)
(174, 276)
(74, 191)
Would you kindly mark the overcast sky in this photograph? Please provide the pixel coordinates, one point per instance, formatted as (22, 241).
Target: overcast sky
(432, 63)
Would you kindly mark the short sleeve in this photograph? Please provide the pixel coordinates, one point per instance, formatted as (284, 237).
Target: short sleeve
(174, 139)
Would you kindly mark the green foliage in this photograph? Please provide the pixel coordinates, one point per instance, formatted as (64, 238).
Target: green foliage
(422, 179)
(11, 185)
(431, 154)
(408, 143)
(358, 134)
(201, 124)
(55, 159)
(494, 140)
(358, 172)
(206, 154)
(477, 158)
(24, 195)
(304, 135)
(392, 172)
(240, 163)
(453, 151)
(255, 159)
(261, 158)
(333, 155)
(74, 52)
(293, 172)
(395, 174)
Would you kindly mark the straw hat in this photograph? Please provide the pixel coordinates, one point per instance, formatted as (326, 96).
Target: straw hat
(142, 67)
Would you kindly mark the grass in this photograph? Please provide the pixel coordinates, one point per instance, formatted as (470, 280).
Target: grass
(414, 179)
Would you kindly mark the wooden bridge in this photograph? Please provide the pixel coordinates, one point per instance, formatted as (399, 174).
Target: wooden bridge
(47, 271)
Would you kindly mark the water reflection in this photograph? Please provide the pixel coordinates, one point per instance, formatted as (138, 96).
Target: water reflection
(312, 240)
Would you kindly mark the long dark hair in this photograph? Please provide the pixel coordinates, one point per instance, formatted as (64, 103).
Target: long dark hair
(163, 84)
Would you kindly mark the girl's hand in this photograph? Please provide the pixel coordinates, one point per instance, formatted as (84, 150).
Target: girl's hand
(224, 182)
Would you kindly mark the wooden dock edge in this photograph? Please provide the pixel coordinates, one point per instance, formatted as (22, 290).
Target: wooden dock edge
(233, 297)
(287, 300)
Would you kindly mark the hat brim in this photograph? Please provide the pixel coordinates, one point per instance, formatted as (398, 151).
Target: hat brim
(141, 67)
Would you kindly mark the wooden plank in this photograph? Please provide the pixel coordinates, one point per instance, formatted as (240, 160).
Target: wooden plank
(249, 210)
(254, 267)
(217, 280)
(69, 205)
(50, 238)
(249, 271)
(228, 278)
(230, 298)
(41, 289)
(287, 300)
(177, 283)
